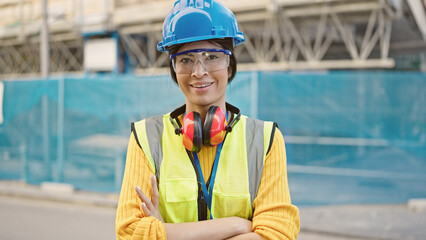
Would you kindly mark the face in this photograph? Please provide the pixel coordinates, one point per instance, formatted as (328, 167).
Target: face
(202, 88)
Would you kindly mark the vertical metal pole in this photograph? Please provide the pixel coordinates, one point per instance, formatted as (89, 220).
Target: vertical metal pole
(59, 176)
(44, 69)
(116, 37)
(44, 42)
(362, 95)
(21, 19)
(81, 12)
(46, 137)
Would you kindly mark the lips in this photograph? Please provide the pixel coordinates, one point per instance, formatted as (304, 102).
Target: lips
(201, 85)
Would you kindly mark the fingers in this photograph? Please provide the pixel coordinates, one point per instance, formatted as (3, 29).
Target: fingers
(155, 193)
(141, 195)
(145, 209)
(144, 198)
(150, 206)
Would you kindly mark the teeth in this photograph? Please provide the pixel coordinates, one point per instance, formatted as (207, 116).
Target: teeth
(202, 86)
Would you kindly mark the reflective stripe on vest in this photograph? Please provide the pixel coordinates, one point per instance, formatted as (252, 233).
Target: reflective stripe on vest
(258, 137)
(179, 204)
(152, 127)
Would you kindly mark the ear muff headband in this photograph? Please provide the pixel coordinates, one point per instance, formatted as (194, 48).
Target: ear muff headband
(233, 120)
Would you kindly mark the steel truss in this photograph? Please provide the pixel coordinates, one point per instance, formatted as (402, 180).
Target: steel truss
(327, 39)
(281, 35)
(142, 51)
(23, 57)
(285, 35)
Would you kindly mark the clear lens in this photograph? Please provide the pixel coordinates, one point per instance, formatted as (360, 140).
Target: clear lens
(213, 60)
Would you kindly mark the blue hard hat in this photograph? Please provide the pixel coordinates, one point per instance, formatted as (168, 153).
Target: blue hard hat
(196, 20)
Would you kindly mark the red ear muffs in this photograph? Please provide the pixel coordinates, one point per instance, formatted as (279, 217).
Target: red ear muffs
(214, 126)
(194, 134)
(192, 131)
(213, 132)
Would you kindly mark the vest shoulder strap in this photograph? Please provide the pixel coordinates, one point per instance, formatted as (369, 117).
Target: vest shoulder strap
(152, 127)
(259, 136)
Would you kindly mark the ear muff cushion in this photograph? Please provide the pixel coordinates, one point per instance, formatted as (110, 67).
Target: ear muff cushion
(214, 126)
(192, 131)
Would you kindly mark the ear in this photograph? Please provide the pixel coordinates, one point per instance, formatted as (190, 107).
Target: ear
(229, 72)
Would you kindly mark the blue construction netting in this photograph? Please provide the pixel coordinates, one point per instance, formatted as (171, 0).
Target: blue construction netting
(351, 136)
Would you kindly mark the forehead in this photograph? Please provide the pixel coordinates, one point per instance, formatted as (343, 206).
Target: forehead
(199, 44)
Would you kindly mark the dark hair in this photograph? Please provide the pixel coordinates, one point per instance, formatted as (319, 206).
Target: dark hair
(226, 43)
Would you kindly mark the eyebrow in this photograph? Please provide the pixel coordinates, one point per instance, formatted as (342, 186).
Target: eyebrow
(187, 54)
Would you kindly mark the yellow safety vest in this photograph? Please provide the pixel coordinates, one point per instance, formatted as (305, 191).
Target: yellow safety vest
(238, 173)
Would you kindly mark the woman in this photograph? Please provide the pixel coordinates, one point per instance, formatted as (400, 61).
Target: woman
(204, 171)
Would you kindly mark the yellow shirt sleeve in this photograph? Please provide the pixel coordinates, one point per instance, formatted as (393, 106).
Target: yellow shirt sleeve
(130, 222)
(274, 216)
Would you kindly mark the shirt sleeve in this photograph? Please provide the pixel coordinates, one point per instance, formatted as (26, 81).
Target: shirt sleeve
(130, 221)
(274, 216)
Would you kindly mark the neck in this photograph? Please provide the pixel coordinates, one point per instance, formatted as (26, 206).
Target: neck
(202, 110)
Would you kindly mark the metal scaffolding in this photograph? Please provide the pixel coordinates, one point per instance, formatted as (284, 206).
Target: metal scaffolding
(284, 34)
(304, 38)
(281, 35)
(23, 58)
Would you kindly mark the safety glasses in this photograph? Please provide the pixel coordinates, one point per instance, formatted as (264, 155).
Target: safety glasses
(211, 59)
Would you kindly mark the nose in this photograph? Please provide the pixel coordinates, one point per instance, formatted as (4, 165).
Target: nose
(199, 69)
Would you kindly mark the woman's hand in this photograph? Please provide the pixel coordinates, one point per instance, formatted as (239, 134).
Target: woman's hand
(150, 207)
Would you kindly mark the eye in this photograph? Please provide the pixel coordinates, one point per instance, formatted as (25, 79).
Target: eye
(212, 56)
(185, 60)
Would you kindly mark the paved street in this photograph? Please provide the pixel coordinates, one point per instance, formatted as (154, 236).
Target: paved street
(28, 213)
(355, 222)
(22, 218)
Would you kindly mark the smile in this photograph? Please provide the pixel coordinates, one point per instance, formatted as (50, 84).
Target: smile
(202, 86)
